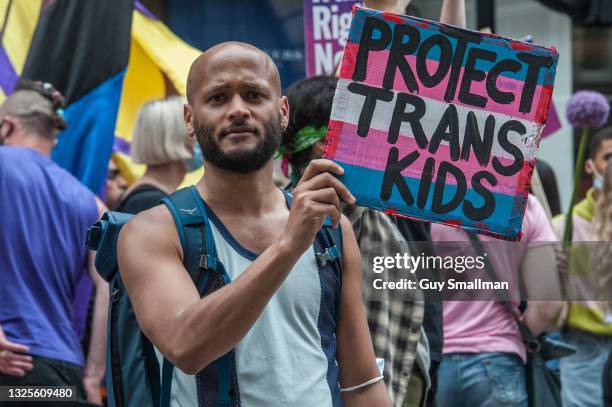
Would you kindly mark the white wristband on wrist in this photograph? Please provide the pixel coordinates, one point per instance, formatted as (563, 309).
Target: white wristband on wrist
(359, 386)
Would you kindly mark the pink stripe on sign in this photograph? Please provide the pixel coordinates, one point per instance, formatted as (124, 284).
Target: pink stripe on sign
(377, 61)
(372, 152)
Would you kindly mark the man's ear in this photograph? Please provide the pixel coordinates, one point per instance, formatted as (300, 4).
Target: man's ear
(188, 118)
(7, 127)
(4, 125)
(284, 111)
(588, 166)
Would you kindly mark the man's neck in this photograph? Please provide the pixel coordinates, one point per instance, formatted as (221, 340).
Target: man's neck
(237, 192)
(39, 144)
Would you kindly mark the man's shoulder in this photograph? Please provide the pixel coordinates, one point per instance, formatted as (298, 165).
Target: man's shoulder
(150, 223)
(9, 156)
(73, 190)
(10, 151)
(156, 216)
(150, 233)
(45, 175)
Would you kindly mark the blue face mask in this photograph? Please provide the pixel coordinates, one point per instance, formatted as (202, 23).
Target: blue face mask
(598, 180)
(196, 160)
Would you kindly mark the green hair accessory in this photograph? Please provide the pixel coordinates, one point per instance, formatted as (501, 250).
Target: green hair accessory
(304, 138)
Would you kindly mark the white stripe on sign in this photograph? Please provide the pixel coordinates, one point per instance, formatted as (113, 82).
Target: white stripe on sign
(348, 105)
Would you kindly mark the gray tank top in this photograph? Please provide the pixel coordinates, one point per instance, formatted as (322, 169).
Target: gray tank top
(280, 361)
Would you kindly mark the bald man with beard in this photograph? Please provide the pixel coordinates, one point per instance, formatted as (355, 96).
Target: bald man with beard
(269, 313)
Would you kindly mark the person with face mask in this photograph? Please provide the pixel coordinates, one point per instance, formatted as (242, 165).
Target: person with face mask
(159, 141)
(586, 327)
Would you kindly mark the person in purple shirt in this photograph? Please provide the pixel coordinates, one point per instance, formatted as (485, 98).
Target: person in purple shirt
(45, 216)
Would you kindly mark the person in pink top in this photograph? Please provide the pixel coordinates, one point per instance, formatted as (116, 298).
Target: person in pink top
(483, 354)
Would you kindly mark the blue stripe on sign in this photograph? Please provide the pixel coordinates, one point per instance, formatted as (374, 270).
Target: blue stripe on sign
(85, 147)
(546, 76)
(8, 76)
(365, 185)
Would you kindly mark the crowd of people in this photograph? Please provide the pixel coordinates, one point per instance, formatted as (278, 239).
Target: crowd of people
(294, 319)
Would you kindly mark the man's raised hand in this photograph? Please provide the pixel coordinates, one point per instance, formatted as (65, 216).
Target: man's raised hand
(316, 196)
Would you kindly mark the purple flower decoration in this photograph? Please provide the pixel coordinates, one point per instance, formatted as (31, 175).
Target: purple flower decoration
(587, 108)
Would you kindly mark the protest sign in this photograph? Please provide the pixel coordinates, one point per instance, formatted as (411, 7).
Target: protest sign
(326, 24)
(440, 123)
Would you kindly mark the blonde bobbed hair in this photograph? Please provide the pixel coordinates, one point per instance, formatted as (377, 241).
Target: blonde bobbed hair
(159, 135)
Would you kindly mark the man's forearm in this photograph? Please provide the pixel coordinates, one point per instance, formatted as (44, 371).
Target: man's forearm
(97, 345)
(374, 395)
(215, 324)
(542, 316)
(383, 5)
(453, 13)
(541, 281)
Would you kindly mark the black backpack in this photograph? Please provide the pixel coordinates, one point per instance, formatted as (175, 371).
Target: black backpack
(132, 369)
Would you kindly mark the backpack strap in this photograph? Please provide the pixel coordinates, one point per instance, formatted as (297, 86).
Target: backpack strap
(199, 255)
(200, 259)
(330, 240)
(195, 233)
(327, 247)
(331, 244)
(506, 301)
